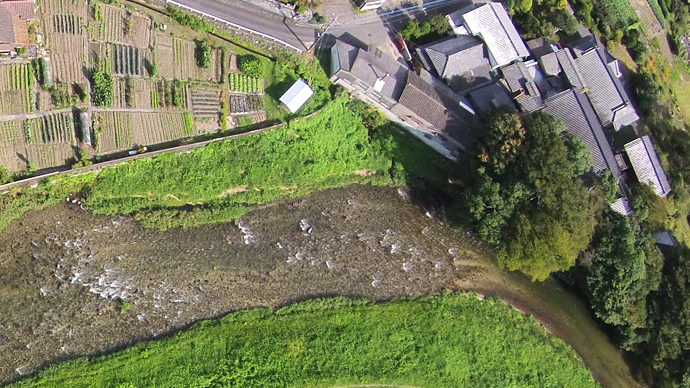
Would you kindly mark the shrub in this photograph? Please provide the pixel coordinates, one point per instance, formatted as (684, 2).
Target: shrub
(188, 124)
(252, 66)
(102, 85)
(202, 53)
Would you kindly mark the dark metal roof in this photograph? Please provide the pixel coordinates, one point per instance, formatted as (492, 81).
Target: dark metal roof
(575, 111)
(438, 105)
(647, 166)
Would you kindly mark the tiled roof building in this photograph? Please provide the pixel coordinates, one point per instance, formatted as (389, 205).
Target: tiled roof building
(647, 166)
(579, 118)
(491, 23)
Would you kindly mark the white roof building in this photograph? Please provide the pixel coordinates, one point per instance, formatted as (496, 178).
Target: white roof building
(491, 23)
(297, 95)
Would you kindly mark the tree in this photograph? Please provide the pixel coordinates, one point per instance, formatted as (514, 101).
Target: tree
(523, 6)
(649, 208)
(439, 24)
(626, 268)
(411, 29)
(528, 199)
(252, 66)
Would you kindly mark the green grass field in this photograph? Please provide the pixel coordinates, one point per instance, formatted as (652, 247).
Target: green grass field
(328, 150)
(450, 341)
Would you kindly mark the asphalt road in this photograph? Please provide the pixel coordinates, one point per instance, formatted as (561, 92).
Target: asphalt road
(257, 19)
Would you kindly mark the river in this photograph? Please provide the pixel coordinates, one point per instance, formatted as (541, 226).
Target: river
(64, 274)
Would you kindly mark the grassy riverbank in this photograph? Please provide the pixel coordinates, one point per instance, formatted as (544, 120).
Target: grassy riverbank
(222, 181)
(449, 341)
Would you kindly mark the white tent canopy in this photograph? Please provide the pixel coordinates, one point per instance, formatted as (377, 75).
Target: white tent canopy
(296, 96)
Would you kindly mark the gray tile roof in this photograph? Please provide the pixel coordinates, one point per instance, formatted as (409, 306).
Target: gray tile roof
(491, 23)
(491, 97)
(603, 88)
(22, 8)
(621, 206)
(6, 27)
(369, 67)
(346, 54)
(438, 105)
(519, 79)
(574, 109)
(456, 55)
(647, 166)
(549, 63)
(571, 70)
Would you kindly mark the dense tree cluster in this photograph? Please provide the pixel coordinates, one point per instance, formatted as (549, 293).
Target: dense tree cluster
(624, 268)
(528, 198)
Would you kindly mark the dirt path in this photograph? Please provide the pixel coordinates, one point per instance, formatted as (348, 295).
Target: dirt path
(60, 288)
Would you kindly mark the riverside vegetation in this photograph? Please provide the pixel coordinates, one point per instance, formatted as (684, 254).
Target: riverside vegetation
(341, 341)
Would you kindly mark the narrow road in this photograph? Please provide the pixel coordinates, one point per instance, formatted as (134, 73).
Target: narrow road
(257, 19)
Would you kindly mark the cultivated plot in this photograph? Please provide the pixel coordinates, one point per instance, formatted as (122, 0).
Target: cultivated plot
(119, 130)
(42, 141)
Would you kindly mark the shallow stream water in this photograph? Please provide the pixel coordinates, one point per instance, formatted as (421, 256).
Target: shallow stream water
(65, 274)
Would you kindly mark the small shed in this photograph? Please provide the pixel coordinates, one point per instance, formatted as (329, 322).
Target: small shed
(297, 95)
(47, 71)
(85, 128)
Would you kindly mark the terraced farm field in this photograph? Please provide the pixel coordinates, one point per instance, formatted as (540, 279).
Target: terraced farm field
(17, 89)
(241, 83)
(68, 57)
(245, 104)
(119, 130)
(175, 59)
(142, 94)
(127, 60)
(45, 141)
(120, 26)
(112, 130)
(205, 103)
(63, 24)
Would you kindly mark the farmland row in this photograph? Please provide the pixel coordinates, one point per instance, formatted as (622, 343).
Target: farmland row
(205, 102)
(20, 76)
(112, 20)
(64, 7)
(13, 102)
(127, 60)
(122, 130)
(55, 128)
(244, 84)
(68, 57)
(245, 104)
(66, 24)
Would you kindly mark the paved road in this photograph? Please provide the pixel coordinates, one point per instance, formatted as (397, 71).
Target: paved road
(257, 19)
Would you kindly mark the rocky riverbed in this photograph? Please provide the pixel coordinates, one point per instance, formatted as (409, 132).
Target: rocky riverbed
(74, 284)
